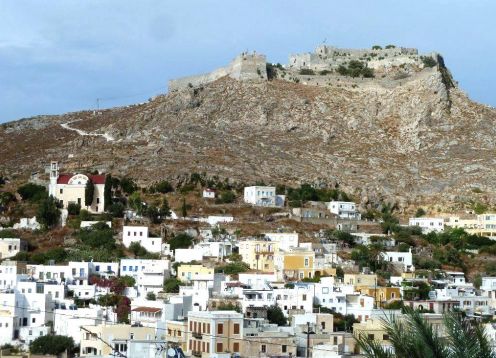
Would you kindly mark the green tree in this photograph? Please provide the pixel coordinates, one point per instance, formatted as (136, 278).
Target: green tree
(32, 192)
(165, 211)
(226, 197)
(150, 296)
(128, 185)
(137, 249)
(276, 316)
(73, 208)
(98, 236)
(89, 192)
(116, 210)
(107, 193)
(180, 241)
(184, 208)
(163, 187)
(136, 203)
(412, 336)
(48, 213)
(420, 212)
(171, 285)
(51, 345)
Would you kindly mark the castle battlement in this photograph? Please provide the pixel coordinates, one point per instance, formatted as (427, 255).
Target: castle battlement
(330, 57)
(244, 67)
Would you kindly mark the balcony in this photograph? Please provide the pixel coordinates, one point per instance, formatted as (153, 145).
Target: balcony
(196, 335)
(196, 353)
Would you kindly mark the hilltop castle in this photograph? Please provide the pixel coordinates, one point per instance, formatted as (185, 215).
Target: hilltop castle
(244, 67)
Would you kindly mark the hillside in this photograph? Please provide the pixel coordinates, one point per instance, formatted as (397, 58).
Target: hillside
(408, 138)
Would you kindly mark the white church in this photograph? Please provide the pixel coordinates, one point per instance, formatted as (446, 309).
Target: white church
(70, 188)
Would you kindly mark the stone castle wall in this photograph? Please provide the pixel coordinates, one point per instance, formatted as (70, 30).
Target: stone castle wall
(329, 57)
(244, 67)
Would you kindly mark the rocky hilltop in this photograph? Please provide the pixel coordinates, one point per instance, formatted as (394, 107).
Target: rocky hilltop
(403, 132)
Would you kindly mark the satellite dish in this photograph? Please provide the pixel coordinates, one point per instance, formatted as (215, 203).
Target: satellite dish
(171, 352)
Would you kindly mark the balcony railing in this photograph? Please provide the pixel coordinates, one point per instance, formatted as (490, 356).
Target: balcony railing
(196, 335)
(196, 353)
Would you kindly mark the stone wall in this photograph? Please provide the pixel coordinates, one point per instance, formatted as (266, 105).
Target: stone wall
(328, 57)
(244, 67)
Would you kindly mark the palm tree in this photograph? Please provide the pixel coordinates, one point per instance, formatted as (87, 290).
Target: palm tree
(411, 336)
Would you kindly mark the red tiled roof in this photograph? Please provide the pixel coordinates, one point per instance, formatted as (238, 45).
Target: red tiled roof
(147, 309)
(209, 190)
(96, 179)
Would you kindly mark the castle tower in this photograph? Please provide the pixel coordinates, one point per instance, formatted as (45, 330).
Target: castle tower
(54, 175)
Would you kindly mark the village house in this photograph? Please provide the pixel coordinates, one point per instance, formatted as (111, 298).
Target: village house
(215, 334)
(263, 196)
(295, 264)
(140, 235)
(259, 254)
(9, 247)
(344, 209)
(427, 225)
(208, 193)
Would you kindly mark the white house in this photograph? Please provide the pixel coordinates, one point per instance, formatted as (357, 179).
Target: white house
(208, 193)
(217, 249)
(285, 240)
(488, 288)
(344, 209)
(71, 188)
(149, 275)
(216, 219)
(427, 225)
(85, 224)
(300, 297)
(404, 258)
(139, 234)
(263, 196)
(9, 247)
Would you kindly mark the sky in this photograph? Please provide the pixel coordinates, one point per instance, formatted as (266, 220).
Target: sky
(60, 56)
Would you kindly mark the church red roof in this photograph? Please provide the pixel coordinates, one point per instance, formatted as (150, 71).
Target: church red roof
(96, 179)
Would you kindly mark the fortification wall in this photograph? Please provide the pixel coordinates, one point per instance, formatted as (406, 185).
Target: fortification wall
(243, 67)
(326, 57)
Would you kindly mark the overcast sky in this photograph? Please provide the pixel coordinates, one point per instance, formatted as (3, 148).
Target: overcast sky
(60, 56)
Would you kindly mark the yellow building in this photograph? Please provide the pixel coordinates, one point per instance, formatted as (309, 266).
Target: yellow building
(360, 279)
(93, 338)
(296, 264)
(214, 332)
(482, 225)
(187, 273)
(259, 254)
(176, 332)
(382, 295)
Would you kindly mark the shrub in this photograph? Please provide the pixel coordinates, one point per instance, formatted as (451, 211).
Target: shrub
(73, 208)
(180, 241)
(49, 344)
(324, 72)
(390, 46)
(150, 296)
(128, 185)
(376, 47)
(233, 268)
(98, 236)
(276, 316)
(420, 212)
(428, 61)
(116, 210)
(171, 285)
(226, 197)
(32, 192)
(163, 187)
(307, 71)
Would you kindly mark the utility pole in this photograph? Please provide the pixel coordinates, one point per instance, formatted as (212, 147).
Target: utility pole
(308, 340)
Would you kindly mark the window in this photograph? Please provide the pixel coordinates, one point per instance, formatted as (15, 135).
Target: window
(385, 337)
(307, 262)
(263, 348)
(236, 328)
(322, 324)
(220, 328)
(98, 200)
(219, 348)
(79, 201)
(371, 336)
(304, 297)
(236, 347)
(123, 268)
(61, 191)
(97, 268)
(33, 320)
